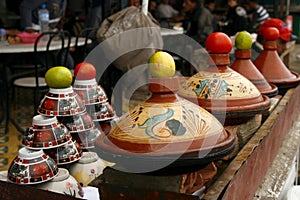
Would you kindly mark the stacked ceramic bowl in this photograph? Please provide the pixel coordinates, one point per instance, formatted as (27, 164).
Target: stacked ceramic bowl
(96, 102)
(70, 110)
(31, 167)
(50, 135)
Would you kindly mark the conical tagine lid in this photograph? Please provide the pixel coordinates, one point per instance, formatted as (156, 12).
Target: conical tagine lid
(271, 66)
(243, 65)
(221, 90)
(167, 125)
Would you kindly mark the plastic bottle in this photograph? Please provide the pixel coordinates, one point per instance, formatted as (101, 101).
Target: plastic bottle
(2, 34)
(44, 20)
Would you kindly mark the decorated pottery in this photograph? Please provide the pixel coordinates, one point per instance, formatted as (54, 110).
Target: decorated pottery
(89, 167)
(86, 139)
(63, 183)
(105, 126)
(101, 111)
(31, 167)
(231, 97)
(165, 126)
(3, 176)
(89, 91)
(77, 123)
(243, 65)
(271, 66)
(46, 132)
(61, 102)
(65, 154)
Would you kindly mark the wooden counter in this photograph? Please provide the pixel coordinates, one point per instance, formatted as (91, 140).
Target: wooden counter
(242, 177)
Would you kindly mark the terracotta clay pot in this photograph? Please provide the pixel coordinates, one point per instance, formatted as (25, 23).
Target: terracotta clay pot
(225, 93)
(273, 69)
(243, 65)
(165, 126)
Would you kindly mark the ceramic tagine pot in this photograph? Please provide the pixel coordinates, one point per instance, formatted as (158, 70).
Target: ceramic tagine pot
(243, 65)
(231, 97)
(271, 66)
(165, 127)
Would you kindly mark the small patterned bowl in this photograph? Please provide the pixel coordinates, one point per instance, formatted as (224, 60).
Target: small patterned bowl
(86, 139)
(61, 102)
(63, 183)
(31, 167)
(65, 154)
(77, 123)
(101, 112)
(46, 132)
(89, 91)
(89, 167)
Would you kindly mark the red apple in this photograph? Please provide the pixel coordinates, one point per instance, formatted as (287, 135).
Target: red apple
(84, 71)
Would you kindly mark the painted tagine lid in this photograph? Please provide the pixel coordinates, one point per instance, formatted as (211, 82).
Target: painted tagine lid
(271, 66)
(243, 65)
(231, 97)
(166, 125)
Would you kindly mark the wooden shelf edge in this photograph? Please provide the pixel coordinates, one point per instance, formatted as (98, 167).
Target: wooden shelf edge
(241, 178)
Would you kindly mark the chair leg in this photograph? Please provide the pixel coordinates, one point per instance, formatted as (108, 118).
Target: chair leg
(7, 111)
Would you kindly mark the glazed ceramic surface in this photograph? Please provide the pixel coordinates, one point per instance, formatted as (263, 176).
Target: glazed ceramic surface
(61, 102)
(231, 97)
(219, 86)
(65, 154)
(77, 123)
(243, 65)
(46, 132)
(89, 167)
(89, 91)
(274, 70)
(101, 111)
(166, 125)
(105, 126)
(86, 139)
(3, 176)
(63, 183)
(31, 167)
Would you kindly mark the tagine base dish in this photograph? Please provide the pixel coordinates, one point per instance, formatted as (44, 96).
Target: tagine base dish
(273, 92)
(233, 115)
(111, 153)
(289, 83)
(173, 161)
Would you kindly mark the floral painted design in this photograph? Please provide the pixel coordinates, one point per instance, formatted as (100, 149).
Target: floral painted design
(72, 191)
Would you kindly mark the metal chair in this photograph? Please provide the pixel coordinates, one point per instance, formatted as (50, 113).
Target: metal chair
(47, 53)
(89, 39)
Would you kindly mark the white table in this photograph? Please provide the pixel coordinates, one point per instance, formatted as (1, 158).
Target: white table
(169, 32)
(27, 48)
(7, 53)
